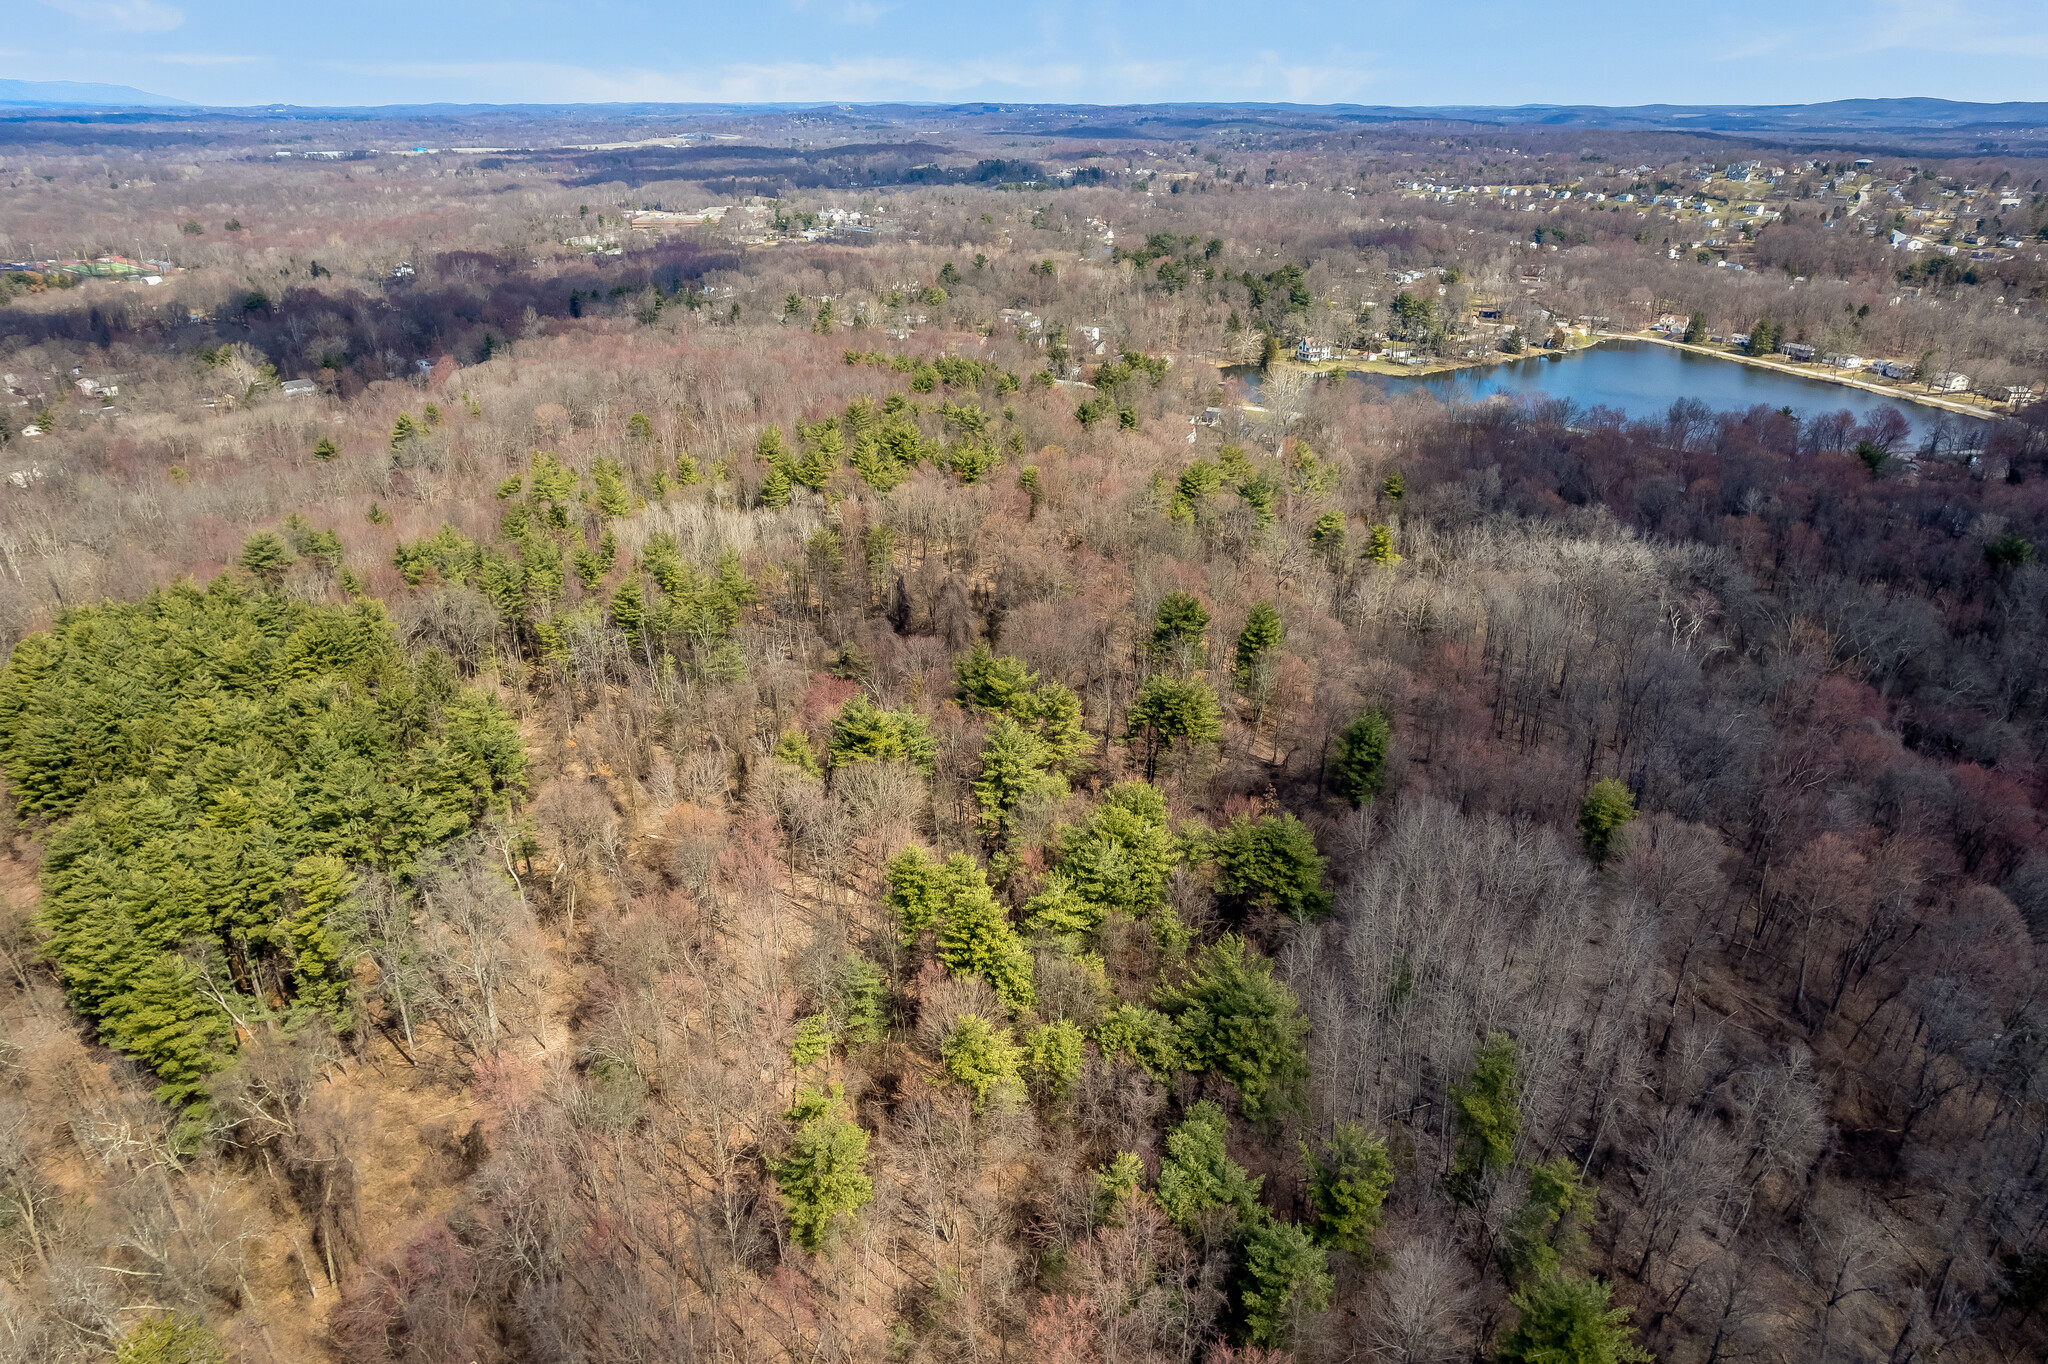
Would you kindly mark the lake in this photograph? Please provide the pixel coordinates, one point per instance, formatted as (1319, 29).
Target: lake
(1643, 379)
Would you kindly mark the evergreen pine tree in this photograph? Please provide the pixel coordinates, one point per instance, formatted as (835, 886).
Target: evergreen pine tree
(822, 1176)
(1234, 1018)
(266, 556)
(1144, 1035)
(862, 733)
(1285, 1274)
(1347, 1183)
(1271, 862)
(1180, 627)
(319, 933)
(1607, 808)
(981, 1057)
(1488, 1114)
(1053, 1055)
(1262, 632)
(1566, 1319)
(1014, 771)
(1359, 769)
(976, 939)
(1168, 711)
(1121, 858)
(1327, 538)
(1197, 1176)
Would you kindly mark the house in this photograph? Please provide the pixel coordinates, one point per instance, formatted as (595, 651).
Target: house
(1951, 383)
(1798, 351)
(1311, 351)
(298, 388)
(1891, 369)
(1842, 361)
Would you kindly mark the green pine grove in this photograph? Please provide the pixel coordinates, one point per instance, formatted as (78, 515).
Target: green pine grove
(213, 764)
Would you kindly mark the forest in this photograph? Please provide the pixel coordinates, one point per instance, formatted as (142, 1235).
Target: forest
(779, 799)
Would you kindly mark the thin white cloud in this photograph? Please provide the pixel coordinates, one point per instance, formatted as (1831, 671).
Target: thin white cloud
(853, 12)
(130, 16)
(206, 58)
(1946, 27)
(847, 79)
(1264, 76)
(1343, 78)
(1935, 26)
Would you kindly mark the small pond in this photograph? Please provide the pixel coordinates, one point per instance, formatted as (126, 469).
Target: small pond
(1643, 379)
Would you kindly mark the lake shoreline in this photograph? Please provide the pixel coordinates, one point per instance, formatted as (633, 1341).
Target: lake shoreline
(1820, 376)
(1441, 368)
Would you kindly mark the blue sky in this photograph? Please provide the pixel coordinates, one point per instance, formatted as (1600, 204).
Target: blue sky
(1100, 51)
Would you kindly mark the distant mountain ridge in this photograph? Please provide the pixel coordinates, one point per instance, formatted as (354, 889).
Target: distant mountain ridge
(84, 94)
(2011, 127)
(1851, 115)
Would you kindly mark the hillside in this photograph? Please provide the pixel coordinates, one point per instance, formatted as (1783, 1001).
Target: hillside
(792, 787)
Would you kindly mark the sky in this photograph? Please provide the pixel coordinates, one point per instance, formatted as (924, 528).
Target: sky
(366, 52)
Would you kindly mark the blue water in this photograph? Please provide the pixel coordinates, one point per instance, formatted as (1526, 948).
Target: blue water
(1643, 379)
